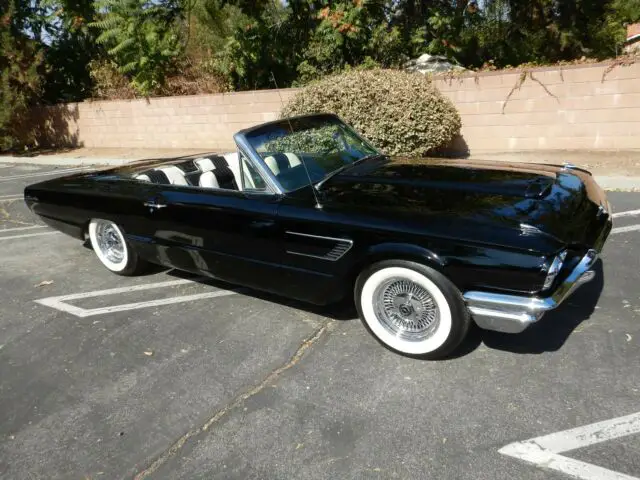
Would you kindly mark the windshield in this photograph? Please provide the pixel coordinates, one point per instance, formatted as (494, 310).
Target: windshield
(322, 142)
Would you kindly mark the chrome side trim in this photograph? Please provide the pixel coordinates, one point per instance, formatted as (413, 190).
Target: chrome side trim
(337, 252)
(318, 257)
(513, 313)
(337, 239)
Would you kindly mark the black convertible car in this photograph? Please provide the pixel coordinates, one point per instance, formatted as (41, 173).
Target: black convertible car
(306, 208)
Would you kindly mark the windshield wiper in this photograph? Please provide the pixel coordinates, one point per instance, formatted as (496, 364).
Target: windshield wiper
(345, 167)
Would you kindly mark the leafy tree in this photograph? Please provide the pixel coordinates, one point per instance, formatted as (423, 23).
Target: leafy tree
(349, 33)
(248, 42)
(619, 14)
(142, 37)
(70, 49)
(21, 62)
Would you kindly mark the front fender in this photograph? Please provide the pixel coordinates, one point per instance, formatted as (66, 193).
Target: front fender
(467, 266)
(404, 251)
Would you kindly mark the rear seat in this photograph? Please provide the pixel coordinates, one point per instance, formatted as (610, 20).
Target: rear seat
(175, 175)
(208, 180)
(214, 171)
(164, 176)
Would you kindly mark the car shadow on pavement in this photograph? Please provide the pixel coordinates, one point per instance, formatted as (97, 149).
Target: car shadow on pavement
(553, 330)
(344, 310)
(547, 335)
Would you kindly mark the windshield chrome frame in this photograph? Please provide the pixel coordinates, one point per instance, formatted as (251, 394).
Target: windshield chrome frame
(245, 147)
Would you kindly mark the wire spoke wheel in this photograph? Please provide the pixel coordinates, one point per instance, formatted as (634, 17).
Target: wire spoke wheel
(411, 308)
(406, 309)
(110, 242)
(112, 250)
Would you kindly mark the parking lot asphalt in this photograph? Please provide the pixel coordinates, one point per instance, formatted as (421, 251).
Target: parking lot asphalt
(166, 376)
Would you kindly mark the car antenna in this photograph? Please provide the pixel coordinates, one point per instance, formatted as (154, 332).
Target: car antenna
(304, 164)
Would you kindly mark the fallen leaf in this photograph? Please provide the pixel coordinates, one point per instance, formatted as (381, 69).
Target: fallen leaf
(629, 337)
(148, 353)
(299, 446)
(44, 282)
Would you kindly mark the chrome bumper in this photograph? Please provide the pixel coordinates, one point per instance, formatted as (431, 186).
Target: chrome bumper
(512, 313)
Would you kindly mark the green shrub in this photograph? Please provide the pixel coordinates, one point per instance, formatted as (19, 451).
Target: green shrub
(400, 113)
(315, 140)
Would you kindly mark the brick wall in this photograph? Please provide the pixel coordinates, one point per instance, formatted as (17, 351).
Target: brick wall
(571, 108)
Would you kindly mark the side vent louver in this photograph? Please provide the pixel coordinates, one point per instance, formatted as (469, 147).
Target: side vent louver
(338, 251)
(318, 246)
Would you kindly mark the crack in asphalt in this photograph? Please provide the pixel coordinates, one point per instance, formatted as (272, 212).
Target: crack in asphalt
(6, 216)
(237, 400)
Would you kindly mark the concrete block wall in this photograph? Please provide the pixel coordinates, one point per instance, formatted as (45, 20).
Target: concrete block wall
(573, 108)
(199, 121)
(581, 107)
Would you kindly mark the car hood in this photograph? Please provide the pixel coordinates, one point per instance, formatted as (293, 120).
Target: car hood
(480, 198)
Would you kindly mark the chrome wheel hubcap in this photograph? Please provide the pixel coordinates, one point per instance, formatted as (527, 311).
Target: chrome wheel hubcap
(109, 242)
(406, 309)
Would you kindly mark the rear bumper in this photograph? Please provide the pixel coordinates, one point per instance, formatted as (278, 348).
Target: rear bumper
(513, 313)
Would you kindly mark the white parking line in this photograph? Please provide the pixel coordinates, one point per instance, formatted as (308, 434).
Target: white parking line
(629, 228)
(27, 235)
(60, 303)
(42, 174)
(14, 229)
(628, 213)
(544, 451)
(11, 197)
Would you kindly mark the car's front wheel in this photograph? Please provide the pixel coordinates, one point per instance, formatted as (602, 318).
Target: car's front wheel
(411, 309)
(112, 249)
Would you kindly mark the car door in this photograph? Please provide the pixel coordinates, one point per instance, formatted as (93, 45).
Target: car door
(318, 249)
(229, 234)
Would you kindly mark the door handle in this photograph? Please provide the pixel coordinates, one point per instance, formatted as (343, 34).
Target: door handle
(258, 224)
(152, 204)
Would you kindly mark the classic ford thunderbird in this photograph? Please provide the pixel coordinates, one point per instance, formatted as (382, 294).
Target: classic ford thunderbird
(307, 208)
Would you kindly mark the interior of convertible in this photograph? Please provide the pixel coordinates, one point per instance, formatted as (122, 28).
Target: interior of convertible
(219, 171)
(322, 144)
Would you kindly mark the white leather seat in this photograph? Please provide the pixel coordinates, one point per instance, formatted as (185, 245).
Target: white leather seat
(175, 175)
(233, 159)
(294, 160)
(208, 180)
(143, 177)
(205, 164)
(281, 161)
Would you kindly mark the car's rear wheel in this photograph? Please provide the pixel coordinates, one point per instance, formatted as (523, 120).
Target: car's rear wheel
(112, 249)
(411, 309)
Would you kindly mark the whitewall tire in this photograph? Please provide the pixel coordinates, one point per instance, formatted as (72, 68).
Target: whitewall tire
(411, 309)
(112, 249)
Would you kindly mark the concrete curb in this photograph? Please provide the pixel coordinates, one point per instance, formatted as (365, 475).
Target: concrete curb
(56, 161)
(608, 182)
(615, 182)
